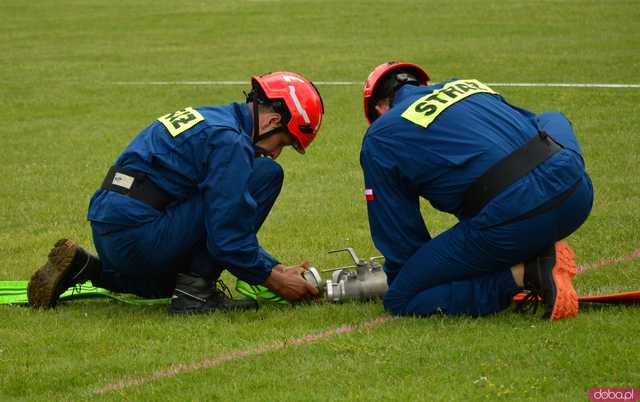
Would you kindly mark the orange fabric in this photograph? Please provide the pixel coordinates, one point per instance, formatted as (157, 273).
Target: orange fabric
(566, 303)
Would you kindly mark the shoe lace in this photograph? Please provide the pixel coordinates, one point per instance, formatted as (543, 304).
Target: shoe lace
(223, 289)
(77, 289)
(529, 302)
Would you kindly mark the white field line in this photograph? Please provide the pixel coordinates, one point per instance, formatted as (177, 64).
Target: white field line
(348, 83)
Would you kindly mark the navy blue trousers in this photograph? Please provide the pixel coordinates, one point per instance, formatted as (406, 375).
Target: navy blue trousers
(467, 270)
(145, 260)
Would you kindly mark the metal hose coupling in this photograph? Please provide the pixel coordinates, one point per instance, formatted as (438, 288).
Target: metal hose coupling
(313, 277)
(362, 281)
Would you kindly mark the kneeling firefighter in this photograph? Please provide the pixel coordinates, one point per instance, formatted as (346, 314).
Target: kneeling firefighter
(515, 180)
(185, 200)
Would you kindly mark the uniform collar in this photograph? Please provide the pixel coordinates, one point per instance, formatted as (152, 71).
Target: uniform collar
(404, 92)
(246, 121)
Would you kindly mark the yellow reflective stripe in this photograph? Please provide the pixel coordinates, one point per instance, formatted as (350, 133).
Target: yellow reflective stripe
(181, 120)
(424, 111)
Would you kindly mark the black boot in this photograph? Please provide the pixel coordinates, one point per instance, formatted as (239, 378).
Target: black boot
(67, 265)
(548, 278)
(195, 295)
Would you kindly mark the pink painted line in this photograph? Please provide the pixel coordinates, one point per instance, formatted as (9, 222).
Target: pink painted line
(609, 261)
(182, 368)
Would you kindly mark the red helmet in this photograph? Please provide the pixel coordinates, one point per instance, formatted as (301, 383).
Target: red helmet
(302, 101)
(384, 70)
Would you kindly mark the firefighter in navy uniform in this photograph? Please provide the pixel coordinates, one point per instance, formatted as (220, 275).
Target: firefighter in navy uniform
(185, 200)
(515, 180)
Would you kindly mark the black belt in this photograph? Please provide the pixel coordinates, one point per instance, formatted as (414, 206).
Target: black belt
(137, 186)
(506, 171)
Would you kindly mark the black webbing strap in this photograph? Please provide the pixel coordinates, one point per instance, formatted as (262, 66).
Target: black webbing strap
(506, 171)
(137, 186)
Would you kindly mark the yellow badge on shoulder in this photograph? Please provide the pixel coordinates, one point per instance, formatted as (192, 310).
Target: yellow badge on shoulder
(180, 121)
(425, 110)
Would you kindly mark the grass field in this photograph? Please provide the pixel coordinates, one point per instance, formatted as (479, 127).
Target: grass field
(77, 84)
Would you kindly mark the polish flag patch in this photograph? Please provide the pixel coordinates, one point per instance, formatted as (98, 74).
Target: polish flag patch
(368, 194)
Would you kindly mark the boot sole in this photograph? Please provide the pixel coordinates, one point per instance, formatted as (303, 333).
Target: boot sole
(566, 302)
(189, 311)
(41, 291)
(196, 311)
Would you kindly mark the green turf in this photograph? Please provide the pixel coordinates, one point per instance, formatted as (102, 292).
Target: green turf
(66, 116)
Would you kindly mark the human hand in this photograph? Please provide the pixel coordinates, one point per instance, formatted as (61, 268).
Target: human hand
(290, 284)
(300, 268)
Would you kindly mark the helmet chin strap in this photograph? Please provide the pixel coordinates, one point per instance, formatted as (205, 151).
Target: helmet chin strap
(263, 137)
(256, 136)
(256, 130)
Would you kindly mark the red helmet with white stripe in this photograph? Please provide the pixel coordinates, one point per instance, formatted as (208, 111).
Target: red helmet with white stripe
(402, 72)
(302, 102)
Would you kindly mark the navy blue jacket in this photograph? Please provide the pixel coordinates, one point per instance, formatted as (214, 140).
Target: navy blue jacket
(403, 161)
(208, 151)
